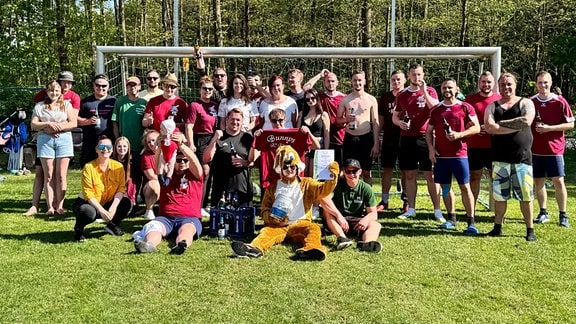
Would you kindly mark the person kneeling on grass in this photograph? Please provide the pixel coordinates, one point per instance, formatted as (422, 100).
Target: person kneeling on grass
(352, 210)
(103, 193)
(287, 210)
(180, 202)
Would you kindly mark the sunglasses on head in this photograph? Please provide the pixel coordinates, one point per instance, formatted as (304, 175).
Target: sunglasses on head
(101, 86)
(103, 147)
(310, 98)
(219, 75)
(180, 160)
(131, 84)
(171, 86)
(351, 171)
(207, 88)
(152, 78)
(276, 121)
(291, 167)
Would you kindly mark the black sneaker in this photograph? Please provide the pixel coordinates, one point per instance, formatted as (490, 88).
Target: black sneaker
(343, 242)
(79, 235)
(372, 246)
(179, 248)
(495, 233)
(113, 229)
(310, 255)
(530, 237)
(243, 250)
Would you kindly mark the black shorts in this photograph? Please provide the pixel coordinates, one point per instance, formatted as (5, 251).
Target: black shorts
(359, 148)
(338, 153)
(389, 152)
(201, 142)
(479, 158)
(414, 154)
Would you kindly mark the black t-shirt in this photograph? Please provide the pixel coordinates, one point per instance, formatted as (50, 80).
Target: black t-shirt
(89, 107)
(298, 97)
(225, 176)
(386, 106)
(514, 147)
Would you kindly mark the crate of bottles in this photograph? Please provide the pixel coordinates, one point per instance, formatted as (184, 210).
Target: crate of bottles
(238, 222)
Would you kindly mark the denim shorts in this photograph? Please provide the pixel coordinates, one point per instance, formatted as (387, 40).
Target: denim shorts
(51, 147)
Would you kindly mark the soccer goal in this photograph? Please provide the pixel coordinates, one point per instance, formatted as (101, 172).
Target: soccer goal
(461, 63)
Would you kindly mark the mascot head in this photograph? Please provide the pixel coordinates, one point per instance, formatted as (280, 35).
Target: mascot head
(286, 155)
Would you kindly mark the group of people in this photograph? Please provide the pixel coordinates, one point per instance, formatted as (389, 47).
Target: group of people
(237, 124)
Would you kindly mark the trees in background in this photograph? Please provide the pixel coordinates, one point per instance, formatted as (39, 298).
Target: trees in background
(41, 37)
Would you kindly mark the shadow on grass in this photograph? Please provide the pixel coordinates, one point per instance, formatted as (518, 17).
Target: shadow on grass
(55, 237)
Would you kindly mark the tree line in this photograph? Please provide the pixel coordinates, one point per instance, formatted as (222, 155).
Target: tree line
(42, 37)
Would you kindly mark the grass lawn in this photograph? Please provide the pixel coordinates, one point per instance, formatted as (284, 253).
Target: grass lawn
(423, 274)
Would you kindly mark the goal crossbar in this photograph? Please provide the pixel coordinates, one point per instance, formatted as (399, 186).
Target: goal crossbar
(306, 52)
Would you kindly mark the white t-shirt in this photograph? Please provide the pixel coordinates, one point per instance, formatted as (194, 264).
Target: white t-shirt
(288, 105)
(247, 109)
(55, 115)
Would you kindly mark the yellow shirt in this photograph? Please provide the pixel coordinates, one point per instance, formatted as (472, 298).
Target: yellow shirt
(102, 185)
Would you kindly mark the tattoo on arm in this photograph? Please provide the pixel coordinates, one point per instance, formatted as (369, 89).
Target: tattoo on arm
(517, 123)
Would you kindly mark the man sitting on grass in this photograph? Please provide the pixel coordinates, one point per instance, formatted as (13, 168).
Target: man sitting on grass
(352, 210)
(179, 205)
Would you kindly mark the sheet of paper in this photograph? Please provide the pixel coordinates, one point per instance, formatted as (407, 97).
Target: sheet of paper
(322, 159)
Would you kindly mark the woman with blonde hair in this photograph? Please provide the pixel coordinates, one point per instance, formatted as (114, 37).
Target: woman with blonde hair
(54, 118)
(122, 154)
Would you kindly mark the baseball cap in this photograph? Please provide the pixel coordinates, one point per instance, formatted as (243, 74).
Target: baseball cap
(352, 163)
(133, 79)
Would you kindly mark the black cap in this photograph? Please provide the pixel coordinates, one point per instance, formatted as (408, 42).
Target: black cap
(352, 163)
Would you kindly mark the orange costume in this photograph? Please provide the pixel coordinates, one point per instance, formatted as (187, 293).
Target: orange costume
(287, 208)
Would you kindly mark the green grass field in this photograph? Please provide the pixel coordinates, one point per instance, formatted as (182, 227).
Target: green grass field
(423, 274)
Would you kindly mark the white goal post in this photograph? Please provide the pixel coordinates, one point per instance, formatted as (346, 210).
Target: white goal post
(305, 52)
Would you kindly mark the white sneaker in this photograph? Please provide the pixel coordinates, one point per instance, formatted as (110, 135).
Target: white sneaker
(149, 214)
(440, 218)
(100, 220)
(407, 215)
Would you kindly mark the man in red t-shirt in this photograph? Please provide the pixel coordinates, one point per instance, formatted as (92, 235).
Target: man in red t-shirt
(330, 100)
(452, 121)
(553, 117)
(479, 145)
(158, 108)
(179, 205)
(411, 115)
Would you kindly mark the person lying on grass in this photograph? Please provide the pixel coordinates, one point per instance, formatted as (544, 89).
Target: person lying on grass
(180, 201)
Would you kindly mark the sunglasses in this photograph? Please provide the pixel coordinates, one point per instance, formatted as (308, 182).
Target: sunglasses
(103, 147)
(101, 86)
(291, 167)
(276, 121)
(171, 86)
(152, 78)
(207, 89)
(310, 98)
(219, 75)
(180, 160)
(351, 171)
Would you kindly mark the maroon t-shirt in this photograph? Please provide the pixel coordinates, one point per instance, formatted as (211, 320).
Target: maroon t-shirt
(479, 102)
(457, 116)
(160, 109)
(330, 105)
(269, 141)
(148, 161)
(182, 196)
(553, 110)
(204, 116)
(413, 102)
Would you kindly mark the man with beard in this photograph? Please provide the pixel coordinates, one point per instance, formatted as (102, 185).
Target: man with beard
(452, 121)
(153, 82)
(508, 120)
(479, 152)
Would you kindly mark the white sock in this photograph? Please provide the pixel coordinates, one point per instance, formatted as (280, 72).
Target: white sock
(438, 213)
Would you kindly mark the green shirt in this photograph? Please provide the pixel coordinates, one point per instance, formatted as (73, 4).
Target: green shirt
(352, 201)
(128, 114)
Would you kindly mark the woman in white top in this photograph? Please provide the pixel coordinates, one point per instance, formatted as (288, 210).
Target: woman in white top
(53, 119)
(238, 96)
(278, 100)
